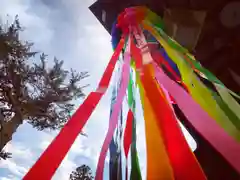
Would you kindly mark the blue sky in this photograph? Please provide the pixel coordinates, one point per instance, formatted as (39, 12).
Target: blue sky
(68, 30)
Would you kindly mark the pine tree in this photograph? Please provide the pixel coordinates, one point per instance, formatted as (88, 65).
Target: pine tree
(32, 92)
(82, 173)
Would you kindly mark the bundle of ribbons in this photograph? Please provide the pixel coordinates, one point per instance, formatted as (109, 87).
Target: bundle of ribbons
(167, 76)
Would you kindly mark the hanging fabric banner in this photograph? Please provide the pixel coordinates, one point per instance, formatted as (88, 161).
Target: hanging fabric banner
(153, 20)
(154, 154)
(179, 152)
(135, 168)
(225, 107)
(50, 160)
(198, 91)
(115, 114)
(128, 139)
(197, 67)
(128, 133)
(229, 100)
(201, 121)
(113, 148)
(119, 143)
(159, 59)
(171, 132)
(158, 164)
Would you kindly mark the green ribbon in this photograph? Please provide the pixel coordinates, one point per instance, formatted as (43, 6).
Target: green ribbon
(175, 45)
(135, 168)
(231, 115)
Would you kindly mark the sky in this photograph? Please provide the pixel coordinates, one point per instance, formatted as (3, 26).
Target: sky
(68, 30)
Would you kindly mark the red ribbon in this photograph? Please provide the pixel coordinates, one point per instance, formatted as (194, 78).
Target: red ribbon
(179, 152)
(127, 141)
(114, 116)
(183, 162)
(128, 133)
(52, 157)
(202, 122)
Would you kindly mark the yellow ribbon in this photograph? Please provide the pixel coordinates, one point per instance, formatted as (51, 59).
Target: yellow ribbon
(197, 89)
(228, 99)
(158, 164)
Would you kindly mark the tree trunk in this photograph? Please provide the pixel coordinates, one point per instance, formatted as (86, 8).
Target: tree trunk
(8, 129)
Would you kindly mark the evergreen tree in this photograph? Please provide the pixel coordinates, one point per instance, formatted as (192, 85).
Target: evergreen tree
(82, 173)
(32, 92)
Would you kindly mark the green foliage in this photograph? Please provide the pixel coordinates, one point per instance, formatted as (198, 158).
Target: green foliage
(43, 95)
(82, 173)
(5, 155)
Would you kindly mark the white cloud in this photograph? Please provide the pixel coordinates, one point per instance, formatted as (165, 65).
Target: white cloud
(13, 167)
(5, 178)
(36, 27)
(9, 178)
(88, 47)
(19, 150)
(65, 169)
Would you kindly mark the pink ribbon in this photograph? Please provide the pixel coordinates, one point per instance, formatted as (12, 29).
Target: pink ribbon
(203, 123)
(114, 117)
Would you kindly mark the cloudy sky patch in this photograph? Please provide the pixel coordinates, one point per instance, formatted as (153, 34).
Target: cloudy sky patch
(68, 30)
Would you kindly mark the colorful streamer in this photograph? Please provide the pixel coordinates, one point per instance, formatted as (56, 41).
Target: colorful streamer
(168, 134)
(156, 151)
(179, 152)
(135, 168)
(204, 124)
(166, 73)
(168, 117)
(197, 67)
(158, 164)
(113, 148)
(129, 123)
(198, 91)
(114, 116)
(128, 138)
(229, 100)
(135, 171)
(231, 115)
